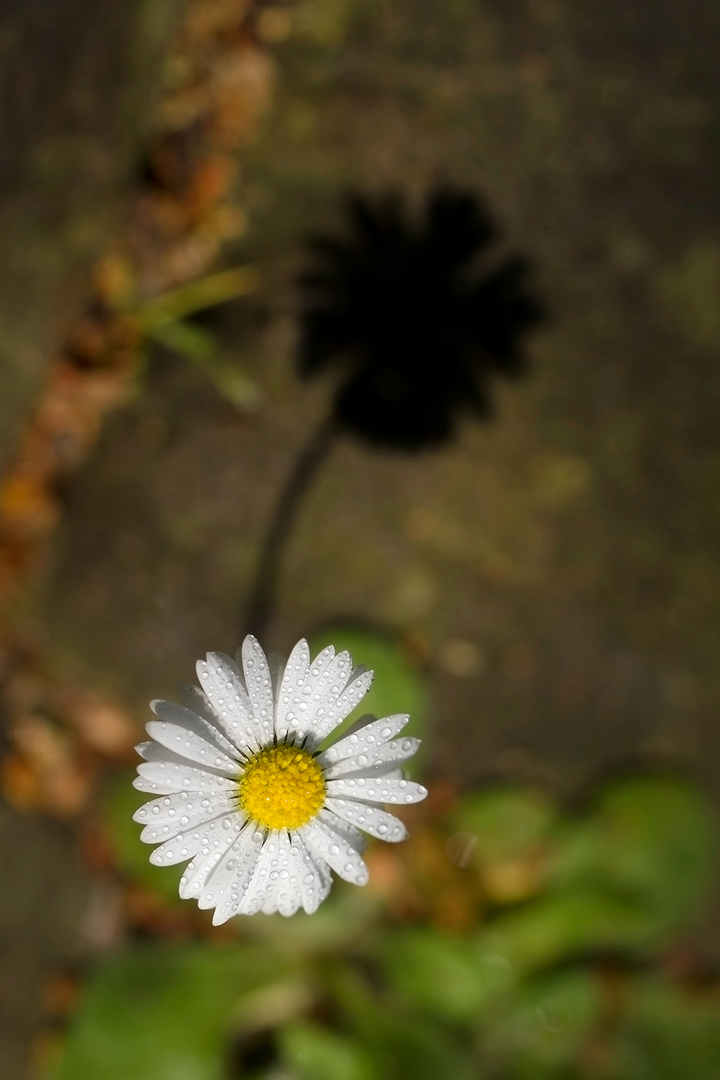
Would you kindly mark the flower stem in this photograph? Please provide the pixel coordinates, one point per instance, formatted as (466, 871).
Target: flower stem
(262, 595)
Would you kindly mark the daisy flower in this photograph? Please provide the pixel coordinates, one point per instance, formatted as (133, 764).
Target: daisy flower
(246, 793)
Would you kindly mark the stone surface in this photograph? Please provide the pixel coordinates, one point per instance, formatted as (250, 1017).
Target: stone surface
(567, 554)
(75, 80)
(43, 901)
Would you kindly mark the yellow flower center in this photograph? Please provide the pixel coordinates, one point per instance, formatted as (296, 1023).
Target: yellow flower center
(282, 787)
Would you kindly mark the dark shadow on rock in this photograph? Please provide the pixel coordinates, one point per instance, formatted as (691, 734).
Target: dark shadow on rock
(418, 315)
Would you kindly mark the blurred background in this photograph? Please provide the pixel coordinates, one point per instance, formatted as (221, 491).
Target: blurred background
(391, 323)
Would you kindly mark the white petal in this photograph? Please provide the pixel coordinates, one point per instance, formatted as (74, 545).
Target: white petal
(166, 817)
(329, 676)
(365, 739)
(334, 677)
(222, 683)
(166, 777)
(148, 750)
(293, 692)
(373, 762)
(353, 836)
(155, 751)
(230, 883)
(271, 883)
(259, 685)
(369, 818)
(190, 745)
(192, 720)
(276, 666)
(196, 701)
(314, 880)
(379, 789)
(186, 845)
(288, 893)
(322, 661)
(350, 697)
(240, 856)
(330, 846)
(322, 673)
(198, 870)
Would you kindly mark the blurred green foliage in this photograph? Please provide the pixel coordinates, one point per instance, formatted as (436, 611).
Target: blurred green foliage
(561, 977)
(520, 941)
(162, 1012)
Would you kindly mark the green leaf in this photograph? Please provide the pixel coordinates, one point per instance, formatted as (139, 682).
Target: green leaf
(505, 823)
(400, 1043)
(399, 685)
(439, 974)
(649, 838)
(119, 803)
(541, 1030)
(229, 377)
(161, 1013)
(669, 1033)
(190, 341)
(557, 927)
(233, 383)
(314, 1053)
(205, 292)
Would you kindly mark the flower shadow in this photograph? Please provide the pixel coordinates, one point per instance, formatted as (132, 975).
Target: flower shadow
(417, 314)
